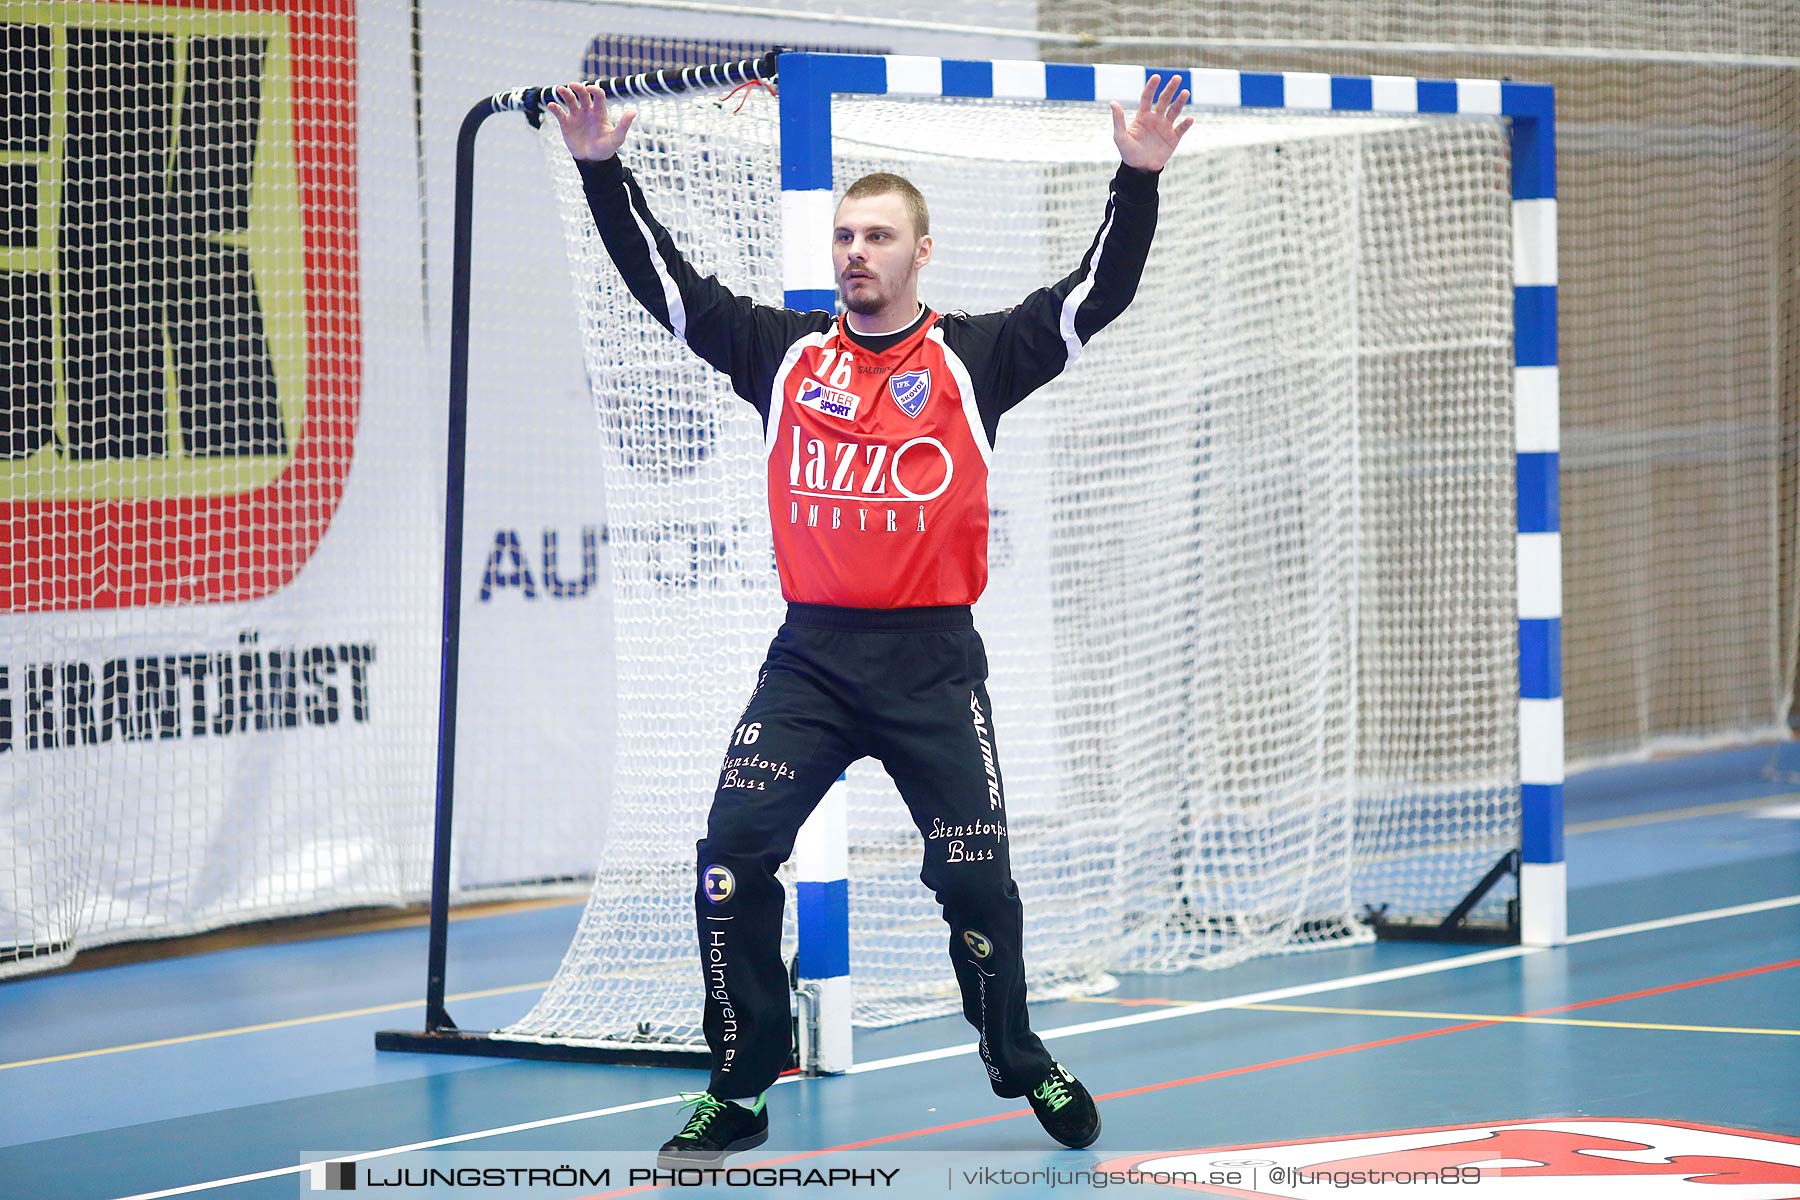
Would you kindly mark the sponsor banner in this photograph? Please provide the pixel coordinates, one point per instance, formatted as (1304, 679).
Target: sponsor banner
(210, 700)
(185, 332)
(222, 560)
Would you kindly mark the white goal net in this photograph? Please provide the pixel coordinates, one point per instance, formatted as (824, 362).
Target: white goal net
(1251, 621)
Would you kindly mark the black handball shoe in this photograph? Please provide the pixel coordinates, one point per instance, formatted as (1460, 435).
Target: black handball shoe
(1065, 1109)
(716, 1128)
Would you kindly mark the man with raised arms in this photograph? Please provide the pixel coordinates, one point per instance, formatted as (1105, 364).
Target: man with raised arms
(878, 429)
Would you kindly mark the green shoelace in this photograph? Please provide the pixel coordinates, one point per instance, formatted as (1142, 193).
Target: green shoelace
(1053, 1092)
(706, 1107)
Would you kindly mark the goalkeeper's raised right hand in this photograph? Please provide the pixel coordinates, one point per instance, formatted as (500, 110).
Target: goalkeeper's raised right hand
(585, 128)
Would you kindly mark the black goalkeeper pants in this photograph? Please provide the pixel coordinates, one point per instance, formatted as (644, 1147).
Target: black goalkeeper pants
(908, 687)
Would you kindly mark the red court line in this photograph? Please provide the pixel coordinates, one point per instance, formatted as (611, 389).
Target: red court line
(1228, 1072)
(1670, 987)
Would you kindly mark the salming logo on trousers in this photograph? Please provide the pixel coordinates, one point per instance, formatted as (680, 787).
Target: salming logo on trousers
(987, 752)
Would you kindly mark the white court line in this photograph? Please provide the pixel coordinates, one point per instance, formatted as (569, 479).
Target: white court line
(1167, 1014)
(1713, 914)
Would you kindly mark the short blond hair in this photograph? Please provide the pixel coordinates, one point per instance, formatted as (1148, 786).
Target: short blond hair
(882, 183)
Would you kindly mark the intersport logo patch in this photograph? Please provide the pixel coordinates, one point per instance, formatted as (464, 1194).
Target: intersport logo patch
(828, 400)
(1549, 1158)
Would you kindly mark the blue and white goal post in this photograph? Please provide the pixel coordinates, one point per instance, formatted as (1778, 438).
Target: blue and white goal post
(809, 81)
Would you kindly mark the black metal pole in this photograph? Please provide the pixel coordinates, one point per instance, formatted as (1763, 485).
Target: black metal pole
(530, 101)
(436, 1017)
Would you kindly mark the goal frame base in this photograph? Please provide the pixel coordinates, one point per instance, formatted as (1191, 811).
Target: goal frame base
(482, 1044)
(1456, 927)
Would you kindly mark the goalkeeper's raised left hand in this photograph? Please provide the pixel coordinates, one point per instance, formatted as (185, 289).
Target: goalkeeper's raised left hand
(586, 131)
(1150, 137)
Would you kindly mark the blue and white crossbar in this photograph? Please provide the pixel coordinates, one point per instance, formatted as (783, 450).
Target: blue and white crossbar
(808, 82)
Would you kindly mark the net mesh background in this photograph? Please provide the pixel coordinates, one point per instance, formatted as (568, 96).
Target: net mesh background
(1678, 229)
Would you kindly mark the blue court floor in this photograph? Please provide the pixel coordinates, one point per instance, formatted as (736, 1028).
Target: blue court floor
(1656, 1054)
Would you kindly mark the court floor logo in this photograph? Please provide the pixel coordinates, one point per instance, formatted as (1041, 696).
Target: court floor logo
(1549, 1158)
(178, 244)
